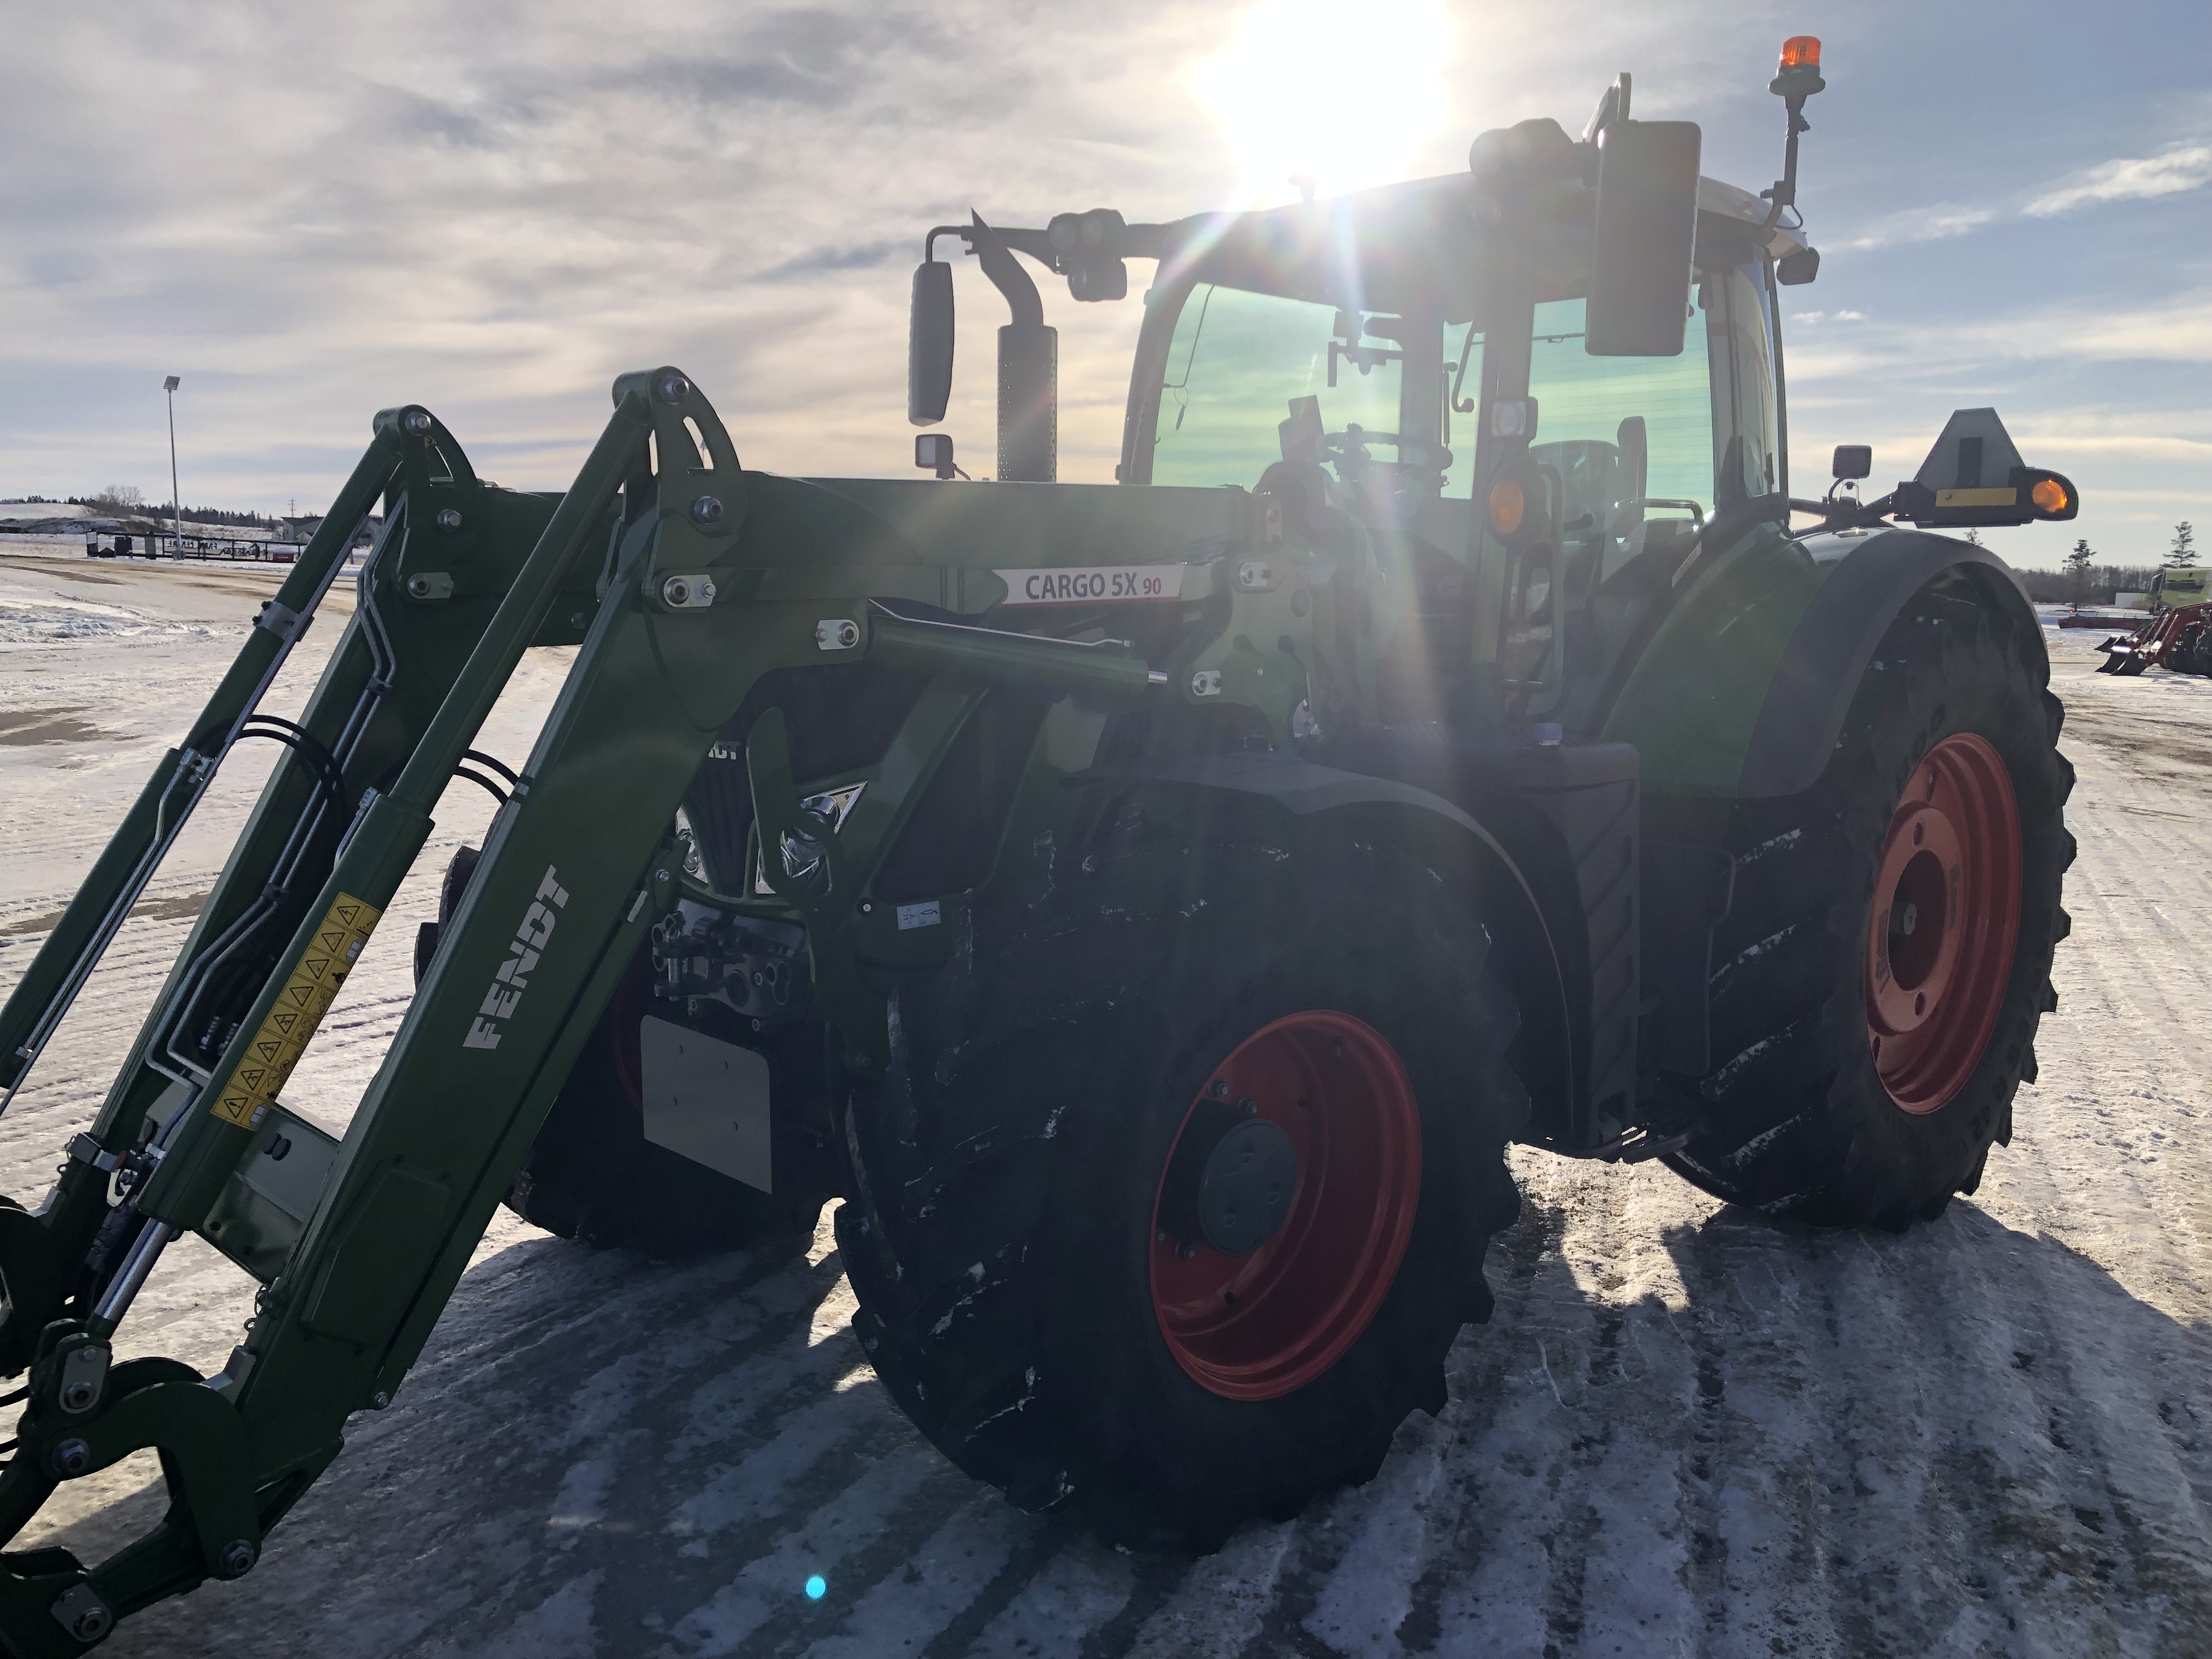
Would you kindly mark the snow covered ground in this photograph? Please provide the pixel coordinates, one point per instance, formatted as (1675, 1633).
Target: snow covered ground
(1685, 1432)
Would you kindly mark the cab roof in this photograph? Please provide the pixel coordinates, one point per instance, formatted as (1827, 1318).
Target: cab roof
(1415, 244)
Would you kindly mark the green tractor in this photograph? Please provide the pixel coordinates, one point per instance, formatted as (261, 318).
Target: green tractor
(1149, 909)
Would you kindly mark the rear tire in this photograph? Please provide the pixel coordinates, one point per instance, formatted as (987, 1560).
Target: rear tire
(591, 1175)
(1013, 1241)
(1833, 1100)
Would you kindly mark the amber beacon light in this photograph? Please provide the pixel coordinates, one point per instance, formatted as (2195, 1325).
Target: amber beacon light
(1798, 75)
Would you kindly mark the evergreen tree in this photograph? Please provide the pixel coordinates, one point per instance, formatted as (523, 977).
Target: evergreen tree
(2077, 569)
(2183, 550)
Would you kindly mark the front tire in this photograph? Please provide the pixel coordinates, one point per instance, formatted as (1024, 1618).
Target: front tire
(1879, 978)
(1073, 1272)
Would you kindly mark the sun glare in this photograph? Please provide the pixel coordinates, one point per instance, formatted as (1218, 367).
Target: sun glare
(1345, 96)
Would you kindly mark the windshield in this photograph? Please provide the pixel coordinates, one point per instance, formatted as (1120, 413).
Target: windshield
(1639, 450)
(1240, 365)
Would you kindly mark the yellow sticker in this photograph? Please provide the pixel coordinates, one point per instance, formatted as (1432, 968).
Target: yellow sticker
(309, 990)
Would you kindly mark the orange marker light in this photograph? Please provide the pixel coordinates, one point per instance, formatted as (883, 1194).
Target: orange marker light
(1507, 506)
(2049, 494)
(1801, 52)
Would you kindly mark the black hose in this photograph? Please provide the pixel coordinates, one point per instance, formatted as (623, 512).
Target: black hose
(306, 744)
(483, 759)
(483, 782)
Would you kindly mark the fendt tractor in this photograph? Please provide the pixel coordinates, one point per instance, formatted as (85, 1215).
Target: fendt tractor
(1149, 909)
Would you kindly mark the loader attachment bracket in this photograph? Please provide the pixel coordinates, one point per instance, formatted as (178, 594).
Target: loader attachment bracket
(216, 1521)
(807, 864)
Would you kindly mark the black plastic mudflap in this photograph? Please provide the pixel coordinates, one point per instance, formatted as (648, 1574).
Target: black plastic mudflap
(1566, 814)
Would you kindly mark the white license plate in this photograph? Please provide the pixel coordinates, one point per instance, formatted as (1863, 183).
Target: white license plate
(1093, 584)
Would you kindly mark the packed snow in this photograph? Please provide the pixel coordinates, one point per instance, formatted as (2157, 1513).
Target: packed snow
(1686, 1431)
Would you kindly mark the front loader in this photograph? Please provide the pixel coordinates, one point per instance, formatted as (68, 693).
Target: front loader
(2178, 635)
(1149, 909)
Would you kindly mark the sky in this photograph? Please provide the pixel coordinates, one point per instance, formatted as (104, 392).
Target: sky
(312, 212)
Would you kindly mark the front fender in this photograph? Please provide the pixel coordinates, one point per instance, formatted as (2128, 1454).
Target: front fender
(1460, 849)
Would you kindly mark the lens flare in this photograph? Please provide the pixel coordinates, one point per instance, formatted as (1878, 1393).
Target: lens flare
(1346, 97)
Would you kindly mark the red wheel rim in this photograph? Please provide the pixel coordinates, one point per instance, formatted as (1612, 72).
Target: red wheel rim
(1945, 920)
(1262, 1325)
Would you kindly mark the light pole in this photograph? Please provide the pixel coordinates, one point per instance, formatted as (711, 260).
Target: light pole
(176, 501)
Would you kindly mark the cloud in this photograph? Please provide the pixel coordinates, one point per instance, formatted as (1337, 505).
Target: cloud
(2182, 167)
(1928, 224)
(2175, 329)
(2172, 172)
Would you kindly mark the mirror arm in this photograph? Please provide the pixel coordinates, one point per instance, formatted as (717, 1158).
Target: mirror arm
(1842, 513)
(1784, 193)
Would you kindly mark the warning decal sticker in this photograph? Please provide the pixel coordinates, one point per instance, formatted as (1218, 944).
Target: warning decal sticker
(311, 986)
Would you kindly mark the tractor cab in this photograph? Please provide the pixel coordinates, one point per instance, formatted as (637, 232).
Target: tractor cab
(1369, 364)
(1511, 412)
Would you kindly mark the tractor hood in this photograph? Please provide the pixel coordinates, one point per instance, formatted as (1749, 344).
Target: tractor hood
(1029, 524)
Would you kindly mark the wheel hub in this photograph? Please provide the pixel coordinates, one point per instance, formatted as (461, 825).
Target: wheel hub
(1244, 1192)
(1944, 923)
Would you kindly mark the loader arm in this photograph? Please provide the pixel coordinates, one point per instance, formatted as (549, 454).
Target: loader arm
(578, 864)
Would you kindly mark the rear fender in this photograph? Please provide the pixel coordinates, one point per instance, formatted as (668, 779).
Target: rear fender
(1744, 690)
(1461, 852)
(1802, 719)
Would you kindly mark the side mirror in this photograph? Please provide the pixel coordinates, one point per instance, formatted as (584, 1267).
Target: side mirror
(933, 451)
(929, 344)
(1647, 225)
(1853, 461)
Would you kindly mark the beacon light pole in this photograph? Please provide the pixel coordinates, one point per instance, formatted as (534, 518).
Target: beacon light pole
(176, 501)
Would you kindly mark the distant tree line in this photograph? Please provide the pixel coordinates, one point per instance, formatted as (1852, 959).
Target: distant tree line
(2085, 584)
(2080, 580)
(128, 501)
